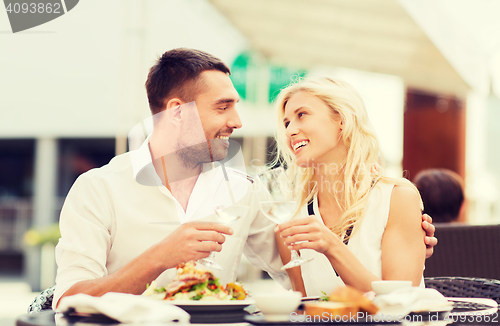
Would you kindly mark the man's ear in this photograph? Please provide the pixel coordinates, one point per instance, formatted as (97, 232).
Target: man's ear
(173, 110)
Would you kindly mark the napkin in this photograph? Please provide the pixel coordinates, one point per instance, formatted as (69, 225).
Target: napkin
(401, 302)
(126, 308)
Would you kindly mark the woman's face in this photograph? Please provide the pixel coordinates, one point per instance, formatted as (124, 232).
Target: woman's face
(312, 134)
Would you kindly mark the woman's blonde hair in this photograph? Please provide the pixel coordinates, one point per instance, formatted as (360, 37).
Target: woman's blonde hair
(360, 171)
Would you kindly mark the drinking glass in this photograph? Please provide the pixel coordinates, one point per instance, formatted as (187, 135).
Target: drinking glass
(282, 206)
(225, 215)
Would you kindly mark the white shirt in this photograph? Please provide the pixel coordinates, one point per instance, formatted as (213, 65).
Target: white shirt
(114, 213)
(365, 243)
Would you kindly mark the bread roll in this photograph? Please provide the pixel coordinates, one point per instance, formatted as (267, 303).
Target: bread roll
(351, 295)
(331, 309)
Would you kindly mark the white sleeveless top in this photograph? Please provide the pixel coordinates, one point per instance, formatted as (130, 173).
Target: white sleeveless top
(365, 243)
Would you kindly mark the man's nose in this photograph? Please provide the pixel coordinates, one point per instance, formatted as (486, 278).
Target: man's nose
(234, 120)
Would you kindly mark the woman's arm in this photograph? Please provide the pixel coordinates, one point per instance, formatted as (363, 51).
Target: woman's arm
(403, 238)
(293, 273)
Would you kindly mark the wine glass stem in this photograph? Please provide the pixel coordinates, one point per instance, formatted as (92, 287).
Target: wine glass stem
(295, 255)
(211, 257)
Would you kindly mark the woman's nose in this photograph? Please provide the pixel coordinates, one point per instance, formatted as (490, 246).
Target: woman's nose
(291, 130)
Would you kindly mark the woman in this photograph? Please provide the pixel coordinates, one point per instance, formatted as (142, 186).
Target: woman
(362, 226)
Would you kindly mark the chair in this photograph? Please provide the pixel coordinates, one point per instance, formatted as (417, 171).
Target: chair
(465, 287)
(465, 251)
(43, 301)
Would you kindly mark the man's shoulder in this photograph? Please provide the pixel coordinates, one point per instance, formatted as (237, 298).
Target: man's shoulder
(117, 165)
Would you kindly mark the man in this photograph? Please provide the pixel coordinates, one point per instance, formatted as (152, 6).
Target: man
(133, 220)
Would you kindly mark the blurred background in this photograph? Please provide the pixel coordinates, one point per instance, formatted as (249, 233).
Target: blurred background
(73, 88)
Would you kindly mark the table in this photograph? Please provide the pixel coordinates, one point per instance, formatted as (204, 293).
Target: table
(48, 318)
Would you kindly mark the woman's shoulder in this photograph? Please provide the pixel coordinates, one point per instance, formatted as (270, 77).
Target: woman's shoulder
(402, 190)
(400, 184)
(405, 192)
(405, 198)
(395, 181)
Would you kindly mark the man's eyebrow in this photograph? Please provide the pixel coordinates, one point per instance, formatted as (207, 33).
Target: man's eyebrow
(226, 101)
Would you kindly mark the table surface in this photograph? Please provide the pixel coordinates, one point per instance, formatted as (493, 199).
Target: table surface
(49, 318)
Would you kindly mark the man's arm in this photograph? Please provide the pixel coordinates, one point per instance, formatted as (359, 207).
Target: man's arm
(87, 233)
(191, 241)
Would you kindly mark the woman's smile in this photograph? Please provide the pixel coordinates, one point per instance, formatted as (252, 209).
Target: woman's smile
(299, 144)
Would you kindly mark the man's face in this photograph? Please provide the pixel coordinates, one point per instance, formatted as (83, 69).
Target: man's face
(216, 106)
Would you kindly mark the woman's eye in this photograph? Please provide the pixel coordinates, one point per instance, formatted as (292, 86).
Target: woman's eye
(301, 114)
(286, 124)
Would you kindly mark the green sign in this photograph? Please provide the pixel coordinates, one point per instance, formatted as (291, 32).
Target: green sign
(247, 75)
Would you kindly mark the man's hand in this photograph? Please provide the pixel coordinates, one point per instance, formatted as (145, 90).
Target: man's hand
(430, 240)
(192, 241)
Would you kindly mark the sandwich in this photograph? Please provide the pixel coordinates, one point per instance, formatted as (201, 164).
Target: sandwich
(192, 283)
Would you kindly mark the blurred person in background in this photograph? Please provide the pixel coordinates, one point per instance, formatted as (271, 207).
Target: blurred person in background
(360, 224)
(442, 193)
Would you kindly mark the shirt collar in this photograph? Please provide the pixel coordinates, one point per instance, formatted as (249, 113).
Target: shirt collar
(142, 165)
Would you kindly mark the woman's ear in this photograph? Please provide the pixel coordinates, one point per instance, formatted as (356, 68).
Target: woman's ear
(341, 123)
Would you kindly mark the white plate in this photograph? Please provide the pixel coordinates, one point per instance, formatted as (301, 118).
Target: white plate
(311, 298)
(219, 305)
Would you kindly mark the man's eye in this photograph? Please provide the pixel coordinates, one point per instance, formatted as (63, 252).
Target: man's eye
(301, 114)
(224, 108)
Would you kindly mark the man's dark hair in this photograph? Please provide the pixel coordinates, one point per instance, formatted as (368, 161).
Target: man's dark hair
(176, 74)
(442, 194)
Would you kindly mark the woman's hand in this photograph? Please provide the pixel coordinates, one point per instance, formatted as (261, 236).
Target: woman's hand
(318, 237)
(307, 233)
